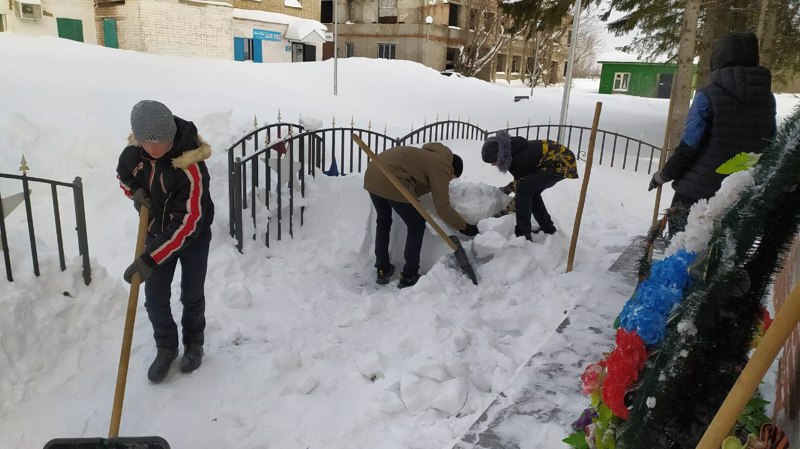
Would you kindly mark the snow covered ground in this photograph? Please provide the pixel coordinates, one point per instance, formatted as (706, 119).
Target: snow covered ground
(302, 349)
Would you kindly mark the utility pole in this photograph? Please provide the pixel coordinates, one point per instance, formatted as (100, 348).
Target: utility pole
(335, 46)
(562, 122)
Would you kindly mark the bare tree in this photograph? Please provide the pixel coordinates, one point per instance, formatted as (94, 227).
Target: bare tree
(490, 34)
(587, 45)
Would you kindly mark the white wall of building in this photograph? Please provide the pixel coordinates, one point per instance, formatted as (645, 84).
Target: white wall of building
(82, 10)
(273, 51)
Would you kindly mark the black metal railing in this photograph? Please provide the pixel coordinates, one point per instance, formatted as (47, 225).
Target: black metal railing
(332, 152)
(80, 224)
(609, 144)
(268, 133)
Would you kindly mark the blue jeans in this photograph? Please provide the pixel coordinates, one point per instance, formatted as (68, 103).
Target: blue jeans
(158, 290)
(416, 231)
(529, 201)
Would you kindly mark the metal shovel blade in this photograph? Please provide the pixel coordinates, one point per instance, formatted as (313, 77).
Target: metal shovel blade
(462, 260)
(110, 443)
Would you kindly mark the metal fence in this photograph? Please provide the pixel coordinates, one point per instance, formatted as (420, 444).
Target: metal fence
(295, 153)
(80, 220)
(614, 148)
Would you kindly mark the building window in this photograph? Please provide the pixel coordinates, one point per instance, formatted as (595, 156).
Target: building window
(326, 12)
(473, 19)
(621, 81)
(501, 63)
(488, 21)
(349, 50)
(455, 15)
(387, 11)
(516, 62)
(2, 23)
(450, 58)
(386, 51)
(248, 49)
(569, 38)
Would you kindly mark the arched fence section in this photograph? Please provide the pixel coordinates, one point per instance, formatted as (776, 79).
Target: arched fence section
(263, 181)
(249, 144)
(281, 168)
(444, 130)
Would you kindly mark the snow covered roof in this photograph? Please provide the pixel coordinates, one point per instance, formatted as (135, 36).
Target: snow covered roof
(299, 29)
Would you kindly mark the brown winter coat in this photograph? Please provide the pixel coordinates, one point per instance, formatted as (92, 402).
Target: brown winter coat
(421, 171)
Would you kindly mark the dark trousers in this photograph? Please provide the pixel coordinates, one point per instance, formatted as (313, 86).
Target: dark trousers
(529, 201)
(158, 290)
(680, 213)
(416, 231)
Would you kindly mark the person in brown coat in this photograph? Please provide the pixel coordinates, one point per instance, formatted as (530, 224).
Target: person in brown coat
(421, 170)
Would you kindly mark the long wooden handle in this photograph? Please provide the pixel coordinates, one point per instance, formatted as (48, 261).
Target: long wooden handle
(586, 174)
(127, 335)
(411, 198)
(775, 338)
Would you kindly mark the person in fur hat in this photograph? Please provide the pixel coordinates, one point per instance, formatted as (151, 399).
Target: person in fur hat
(536, 165)
(163, 169)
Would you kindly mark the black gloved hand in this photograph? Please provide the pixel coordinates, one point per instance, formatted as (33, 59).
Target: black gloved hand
(657, 180)
(470, 231)
(138, 266)
(141, 198)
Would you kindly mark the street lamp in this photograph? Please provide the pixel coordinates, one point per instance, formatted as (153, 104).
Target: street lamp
(429, 21)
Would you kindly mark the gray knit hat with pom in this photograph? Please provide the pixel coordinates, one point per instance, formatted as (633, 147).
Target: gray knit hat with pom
(151, 121)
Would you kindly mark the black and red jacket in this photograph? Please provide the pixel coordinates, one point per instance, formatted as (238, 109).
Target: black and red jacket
(178, 186)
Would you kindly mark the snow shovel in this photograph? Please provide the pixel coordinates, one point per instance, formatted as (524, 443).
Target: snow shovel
(113, 442)
(451, 240)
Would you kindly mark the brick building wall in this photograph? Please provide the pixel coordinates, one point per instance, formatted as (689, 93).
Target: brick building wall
(175, 27)
(310, 9)
(787, 394)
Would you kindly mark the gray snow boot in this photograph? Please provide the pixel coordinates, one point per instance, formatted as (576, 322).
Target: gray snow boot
(192, 358)
(160, 366)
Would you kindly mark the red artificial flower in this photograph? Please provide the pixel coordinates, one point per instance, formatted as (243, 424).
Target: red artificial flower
(623, 366)
(766, 320)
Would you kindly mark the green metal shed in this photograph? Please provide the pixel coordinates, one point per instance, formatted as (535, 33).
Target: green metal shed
(641, 79)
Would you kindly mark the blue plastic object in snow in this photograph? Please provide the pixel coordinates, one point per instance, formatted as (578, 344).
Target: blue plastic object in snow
(334, 170)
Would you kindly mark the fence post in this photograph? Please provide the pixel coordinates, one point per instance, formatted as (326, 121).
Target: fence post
(231, 225)
(237, 199)
(4, 243)
(29, 214)
(80, 222)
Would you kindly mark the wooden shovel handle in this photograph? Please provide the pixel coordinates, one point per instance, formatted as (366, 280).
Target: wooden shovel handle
(411, 198)
(127, 335)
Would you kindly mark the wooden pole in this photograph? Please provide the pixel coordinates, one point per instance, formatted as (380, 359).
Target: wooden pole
(127, 335)
(785, 322)
(586, 174)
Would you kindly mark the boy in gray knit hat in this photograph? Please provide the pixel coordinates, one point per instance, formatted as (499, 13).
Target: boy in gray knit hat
(163, 169)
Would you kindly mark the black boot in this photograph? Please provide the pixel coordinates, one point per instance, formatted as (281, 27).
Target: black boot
(384, 274)
(519, 233)
(408, 279)
(192, 357)
(160, 366)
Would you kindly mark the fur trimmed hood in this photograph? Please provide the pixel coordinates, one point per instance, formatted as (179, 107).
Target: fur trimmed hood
(497, 150)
